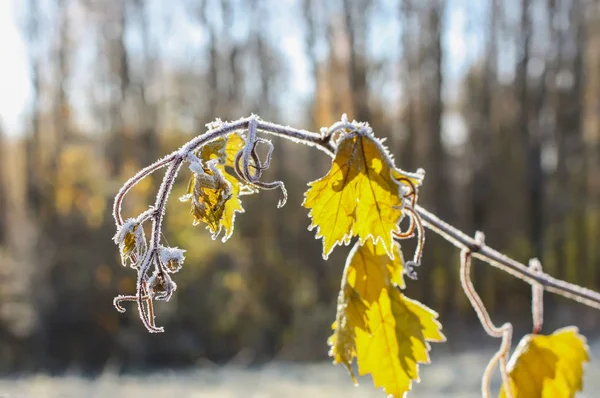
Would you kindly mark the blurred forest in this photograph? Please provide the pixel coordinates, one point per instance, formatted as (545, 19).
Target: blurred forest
(504, 116)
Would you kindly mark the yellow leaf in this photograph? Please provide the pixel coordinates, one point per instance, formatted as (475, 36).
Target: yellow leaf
(358, 197)
(371, 269)
(232, 206)
(388, 332)
(548, 366)
(208, 203)
(130, 238)
(235, 143)
(223, 148)
(129, 243)
(351, 314)
(400, 331)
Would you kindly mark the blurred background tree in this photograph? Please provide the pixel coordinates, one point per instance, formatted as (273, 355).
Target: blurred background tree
(499, 100)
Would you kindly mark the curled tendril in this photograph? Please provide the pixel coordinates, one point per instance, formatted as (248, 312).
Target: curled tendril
(121, 298)
(270, 147)
(417, 224)
(256, 165)
(412, 195)
(249, 167)
(145, 306)
(503, 332)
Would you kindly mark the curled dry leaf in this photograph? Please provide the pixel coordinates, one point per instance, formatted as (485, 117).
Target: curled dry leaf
(171, 257)
(209, 193)
(161, 286)
(216, 206)
(131, 240)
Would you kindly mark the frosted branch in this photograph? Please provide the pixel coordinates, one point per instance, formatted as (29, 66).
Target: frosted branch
(251, 169)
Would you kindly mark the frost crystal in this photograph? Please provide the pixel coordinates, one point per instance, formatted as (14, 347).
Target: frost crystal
(215, 124)
(195, 163)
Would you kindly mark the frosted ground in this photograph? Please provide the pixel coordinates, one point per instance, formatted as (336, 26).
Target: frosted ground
(449, 376)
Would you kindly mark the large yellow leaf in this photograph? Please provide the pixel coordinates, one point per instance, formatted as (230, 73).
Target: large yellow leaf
(368, 271)
(386, 331)
(548, 366)
(351, 314)
(371, 269)
(398, 341)
(358, 197)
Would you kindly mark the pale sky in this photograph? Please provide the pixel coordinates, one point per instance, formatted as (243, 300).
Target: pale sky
(14, 73)
(15, 91)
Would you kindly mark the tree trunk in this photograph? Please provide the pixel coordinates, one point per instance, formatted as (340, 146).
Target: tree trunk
(438, 178)
(32, 144)
(356, 34)
(213, 72)
(529, 138)
(410, 85)
(578, 153)
(3, 190)
(61, 103)
(483, 150)
(117, 59)
(149, 120)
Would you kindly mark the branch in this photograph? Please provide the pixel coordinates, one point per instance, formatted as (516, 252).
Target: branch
(324, 141)
(496, 259)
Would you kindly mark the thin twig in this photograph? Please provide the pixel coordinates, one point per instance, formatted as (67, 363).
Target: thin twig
(537, 298)
(496, 259)
(504, 332)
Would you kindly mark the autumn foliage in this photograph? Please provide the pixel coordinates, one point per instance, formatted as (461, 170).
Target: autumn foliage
(362, 199)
